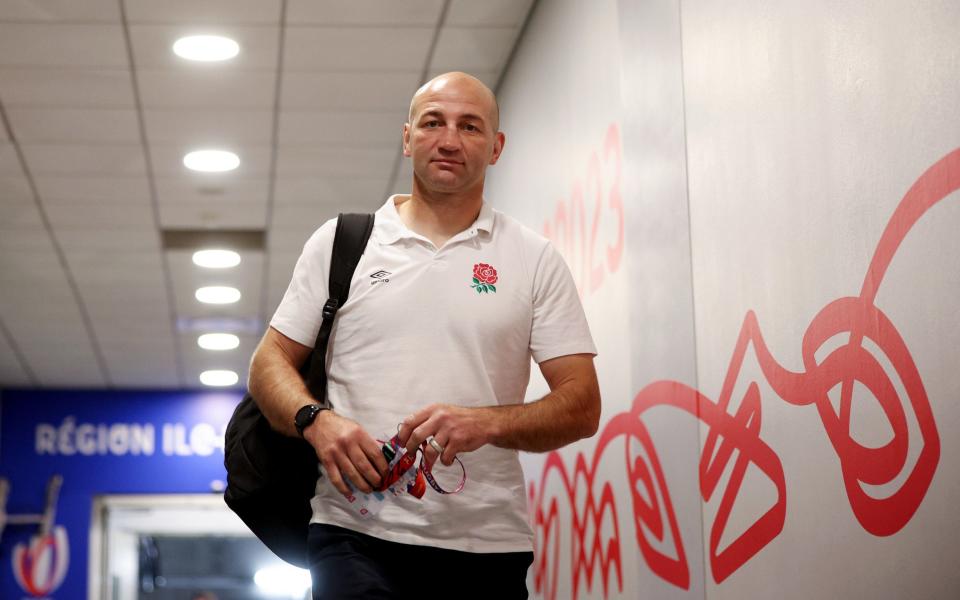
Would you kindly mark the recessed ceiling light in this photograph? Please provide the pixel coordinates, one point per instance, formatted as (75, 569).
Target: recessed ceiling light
(216, 259)
(218, 341)
(206, 48)
(218, 377)
(217, 294)
(211, 161)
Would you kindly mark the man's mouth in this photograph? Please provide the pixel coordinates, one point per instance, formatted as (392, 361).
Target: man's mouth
(446, 162)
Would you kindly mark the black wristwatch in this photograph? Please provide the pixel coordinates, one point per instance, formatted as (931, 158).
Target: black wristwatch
(306, 415)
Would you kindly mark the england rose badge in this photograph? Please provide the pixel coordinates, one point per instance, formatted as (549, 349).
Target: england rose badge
(484, 276)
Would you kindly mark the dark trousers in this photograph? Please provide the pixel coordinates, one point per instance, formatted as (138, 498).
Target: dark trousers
(345, 564)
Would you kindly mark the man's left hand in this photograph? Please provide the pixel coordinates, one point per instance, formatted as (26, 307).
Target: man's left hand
(455, 428)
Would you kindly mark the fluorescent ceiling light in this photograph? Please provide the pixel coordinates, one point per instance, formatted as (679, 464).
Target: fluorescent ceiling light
(211, 161)
(216, 259)
(218, 294)
(206, 48)
(283, 580)
(218, 341)
(218, 378)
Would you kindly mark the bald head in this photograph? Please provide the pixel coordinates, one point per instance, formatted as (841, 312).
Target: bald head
(457, 84)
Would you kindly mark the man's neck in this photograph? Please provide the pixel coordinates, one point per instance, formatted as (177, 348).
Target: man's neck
(437, 216)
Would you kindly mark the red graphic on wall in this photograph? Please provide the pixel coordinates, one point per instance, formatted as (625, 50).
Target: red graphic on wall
(735, 438)
(40, 566)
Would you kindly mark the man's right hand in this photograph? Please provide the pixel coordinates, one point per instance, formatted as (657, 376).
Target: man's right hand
(346, 451)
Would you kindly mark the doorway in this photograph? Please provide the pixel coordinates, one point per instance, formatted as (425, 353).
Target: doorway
(178, 547)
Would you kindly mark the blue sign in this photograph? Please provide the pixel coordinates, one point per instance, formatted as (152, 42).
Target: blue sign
(99, 442)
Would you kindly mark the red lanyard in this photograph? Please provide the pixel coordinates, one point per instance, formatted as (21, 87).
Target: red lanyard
(398, 466)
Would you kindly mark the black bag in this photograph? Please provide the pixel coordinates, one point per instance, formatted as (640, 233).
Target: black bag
(272, 477)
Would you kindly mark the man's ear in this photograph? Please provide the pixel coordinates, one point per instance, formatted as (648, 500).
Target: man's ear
(498, 147)
(406, 139)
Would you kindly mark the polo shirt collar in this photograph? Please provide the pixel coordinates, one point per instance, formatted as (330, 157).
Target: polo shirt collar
(390, 228)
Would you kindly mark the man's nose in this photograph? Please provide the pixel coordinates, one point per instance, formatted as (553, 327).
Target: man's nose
(450, 140)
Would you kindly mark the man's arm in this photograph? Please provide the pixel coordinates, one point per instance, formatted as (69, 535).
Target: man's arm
(570, 411)
(342, 446)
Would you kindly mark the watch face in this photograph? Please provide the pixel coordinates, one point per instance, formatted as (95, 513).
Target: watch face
(305, 416)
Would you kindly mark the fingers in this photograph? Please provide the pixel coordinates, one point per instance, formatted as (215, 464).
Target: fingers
(431, 452)
(349, 456)
(411, 423)
(333, 474)
(449, 455)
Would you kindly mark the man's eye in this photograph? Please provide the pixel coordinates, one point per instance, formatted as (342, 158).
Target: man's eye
(471, 127)
(431, 124)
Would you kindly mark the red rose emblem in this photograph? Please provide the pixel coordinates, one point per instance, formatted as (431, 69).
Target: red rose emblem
(485, 273)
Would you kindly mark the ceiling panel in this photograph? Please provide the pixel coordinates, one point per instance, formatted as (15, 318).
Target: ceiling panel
(360, 193)
(26, 239)
(489, 13)
(60, 10)
(213, 127)
(17, 213)
(80, 88)
(100, 215)
(473, 49)
(189, 189)
(9, 163)
(58, 45)
(151, 327)
(32, 323)
(153, 46)
(307, 214)
(70, 126)
(341, 128)
(144, 372)
(168, 163)
(107, 300)
(204, 11)
(23, 270)
(108, 238)
(216, 214)
(291, 238)
(12, 372)
(334, 162)
(61, 362)
(206, 88)
(348, 48)
(79, 159)
(15, 188)
(368, 90)
(363, 12)
(92, 189)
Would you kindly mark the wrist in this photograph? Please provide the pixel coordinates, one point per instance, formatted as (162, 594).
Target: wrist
(307, 415)
(493, 425)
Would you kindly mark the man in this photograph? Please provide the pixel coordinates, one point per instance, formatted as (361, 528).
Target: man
(448, 304)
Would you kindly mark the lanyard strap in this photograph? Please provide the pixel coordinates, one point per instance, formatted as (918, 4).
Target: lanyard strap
(393, 448)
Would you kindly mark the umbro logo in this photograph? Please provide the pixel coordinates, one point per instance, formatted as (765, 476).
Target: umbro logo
(380, 277)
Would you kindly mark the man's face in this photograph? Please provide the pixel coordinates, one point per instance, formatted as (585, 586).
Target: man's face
(452, 135)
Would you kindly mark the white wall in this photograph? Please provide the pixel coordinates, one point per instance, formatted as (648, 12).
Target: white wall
(764, 148)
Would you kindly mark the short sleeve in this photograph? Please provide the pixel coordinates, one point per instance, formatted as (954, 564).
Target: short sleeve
(559, 324)
(300, 311)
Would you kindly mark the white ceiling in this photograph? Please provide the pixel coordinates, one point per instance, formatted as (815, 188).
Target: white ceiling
(97, 113)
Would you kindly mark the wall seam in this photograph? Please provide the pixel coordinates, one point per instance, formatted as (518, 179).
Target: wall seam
(693, 296)
(274, 158)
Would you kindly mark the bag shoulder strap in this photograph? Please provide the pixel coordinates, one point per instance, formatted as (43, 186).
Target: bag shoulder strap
(349, 241)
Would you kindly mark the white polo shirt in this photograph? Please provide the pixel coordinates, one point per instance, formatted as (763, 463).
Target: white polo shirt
(415, 331)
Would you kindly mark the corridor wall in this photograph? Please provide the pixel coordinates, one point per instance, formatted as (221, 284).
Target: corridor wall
(758, 201)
